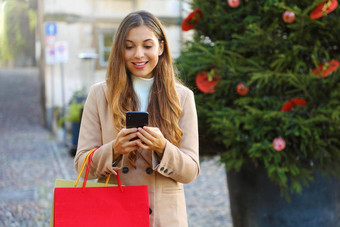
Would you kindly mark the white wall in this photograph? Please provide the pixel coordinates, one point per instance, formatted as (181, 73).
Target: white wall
(81, 7)
(166, 8)
(77, 26)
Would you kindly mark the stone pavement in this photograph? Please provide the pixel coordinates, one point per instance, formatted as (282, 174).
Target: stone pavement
(31, 159)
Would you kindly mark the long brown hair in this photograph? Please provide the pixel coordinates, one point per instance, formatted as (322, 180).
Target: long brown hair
(164, 107)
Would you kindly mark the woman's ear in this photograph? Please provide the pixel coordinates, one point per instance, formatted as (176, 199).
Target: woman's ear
(161, 48)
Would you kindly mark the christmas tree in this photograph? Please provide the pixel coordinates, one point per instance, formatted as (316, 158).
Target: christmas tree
(267, 85)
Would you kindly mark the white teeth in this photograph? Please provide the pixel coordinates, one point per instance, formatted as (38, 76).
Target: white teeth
(140, 63)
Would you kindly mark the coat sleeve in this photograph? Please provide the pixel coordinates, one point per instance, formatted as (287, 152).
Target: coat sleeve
(90, 136)
(182, 163)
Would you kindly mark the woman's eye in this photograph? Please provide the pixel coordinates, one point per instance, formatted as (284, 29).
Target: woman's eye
(148, 47)
(128, 47)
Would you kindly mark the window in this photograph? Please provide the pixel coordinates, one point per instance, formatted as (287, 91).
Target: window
(105, 44)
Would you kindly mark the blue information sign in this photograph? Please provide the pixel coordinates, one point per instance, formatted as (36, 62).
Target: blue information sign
(50, 28)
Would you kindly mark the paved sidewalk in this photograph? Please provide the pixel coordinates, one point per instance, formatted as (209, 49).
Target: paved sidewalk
(31, 159)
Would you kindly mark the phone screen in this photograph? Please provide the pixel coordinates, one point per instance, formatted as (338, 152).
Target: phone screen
(136, 119)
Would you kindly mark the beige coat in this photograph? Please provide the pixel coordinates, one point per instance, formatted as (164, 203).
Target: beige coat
(165, 177)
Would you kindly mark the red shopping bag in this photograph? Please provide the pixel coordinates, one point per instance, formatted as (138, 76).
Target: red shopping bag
(101, 206)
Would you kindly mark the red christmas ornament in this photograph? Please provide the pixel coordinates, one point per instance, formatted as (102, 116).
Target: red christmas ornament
(288, 16)
(323, 8)
(298, 101)
(288, 106)
(234, 3)
(205, 84)
(279, 144)
(192, 20)
(242, 89)
(325, 68)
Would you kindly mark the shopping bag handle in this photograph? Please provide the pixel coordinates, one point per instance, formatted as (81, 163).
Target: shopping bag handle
(88, 160)
(84, 164)
(118, 181)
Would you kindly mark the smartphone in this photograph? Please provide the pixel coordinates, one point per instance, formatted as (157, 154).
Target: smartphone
(136, 119)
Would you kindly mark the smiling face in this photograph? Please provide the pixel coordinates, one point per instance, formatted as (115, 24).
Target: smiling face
(141, 52)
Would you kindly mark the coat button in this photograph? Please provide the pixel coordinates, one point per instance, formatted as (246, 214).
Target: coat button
(125, 169)
(150, 211)
(149, 170)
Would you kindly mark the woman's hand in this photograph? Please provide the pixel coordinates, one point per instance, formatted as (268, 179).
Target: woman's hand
(123, 143)
(151, 138)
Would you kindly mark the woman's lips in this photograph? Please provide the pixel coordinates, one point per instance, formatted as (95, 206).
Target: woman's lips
(139, 65)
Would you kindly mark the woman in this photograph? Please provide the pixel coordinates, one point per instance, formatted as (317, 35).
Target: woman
(164, 156)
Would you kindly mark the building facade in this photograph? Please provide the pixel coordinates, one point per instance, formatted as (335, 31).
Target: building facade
(82, 31)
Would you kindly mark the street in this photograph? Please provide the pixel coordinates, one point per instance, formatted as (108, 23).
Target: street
(31, 159)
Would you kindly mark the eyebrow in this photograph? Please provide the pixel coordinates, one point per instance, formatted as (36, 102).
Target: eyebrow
(147, 40)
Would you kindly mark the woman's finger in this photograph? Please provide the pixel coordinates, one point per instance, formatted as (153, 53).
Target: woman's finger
(110, 171)
(144, 139)
(126, 131)
(131, 136)
(122, 144)
(146, 134)
(143, 146)
(152, 131)
(114, 172)
(127, 150)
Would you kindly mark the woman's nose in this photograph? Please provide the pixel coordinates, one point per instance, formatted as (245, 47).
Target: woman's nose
(139, 52)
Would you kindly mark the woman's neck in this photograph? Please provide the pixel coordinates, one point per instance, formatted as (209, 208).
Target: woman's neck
(142, 87)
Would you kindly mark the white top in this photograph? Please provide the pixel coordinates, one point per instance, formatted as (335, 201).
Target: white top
(142, 87)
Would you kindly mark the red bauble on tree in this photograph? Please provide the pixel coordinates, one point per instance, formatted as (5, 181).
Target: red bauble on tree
(323, 8)
(242, 89)
(234, 3)
(205, 82)
(288, 106)
(279, 144)
(326, 68)
(288, 16)
(192, 20)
